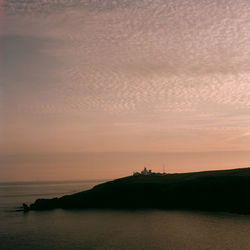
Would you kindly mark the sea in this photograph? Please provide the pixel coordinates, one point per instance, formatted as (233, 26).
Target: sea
(109, 229)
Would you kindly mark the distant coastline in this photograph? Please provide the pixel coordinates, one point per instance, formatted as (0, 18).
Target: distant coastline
(220, 190)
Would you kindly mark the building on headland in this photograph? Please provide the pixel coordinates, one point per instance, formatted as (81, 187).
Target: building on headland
(147, 172)
(143, 172)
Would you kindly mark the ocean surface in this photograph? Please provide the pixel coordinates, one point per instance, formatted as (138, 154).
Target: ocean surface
(96, 229)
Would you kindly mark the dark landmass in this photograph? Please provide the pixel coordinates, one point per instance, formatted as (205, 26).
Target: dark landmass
(222, 190)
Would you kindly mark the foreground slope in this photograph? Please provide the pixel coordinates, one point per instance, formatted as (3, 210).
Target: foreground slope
(222, 190)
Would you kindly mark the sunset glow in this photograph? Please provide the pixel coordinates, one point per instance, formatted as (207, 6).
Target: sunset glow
(99, 89)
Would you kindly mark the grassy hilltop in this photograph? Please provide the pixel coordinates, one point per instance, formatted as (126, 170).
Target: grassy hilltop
(221, 190)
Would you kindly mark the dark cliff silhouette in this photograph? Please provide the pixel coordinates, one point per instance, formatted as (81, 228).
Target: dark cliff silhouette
(222, 190)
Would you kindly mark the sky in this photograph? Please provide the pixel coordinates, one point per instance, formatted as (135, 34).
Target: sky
(95, 89)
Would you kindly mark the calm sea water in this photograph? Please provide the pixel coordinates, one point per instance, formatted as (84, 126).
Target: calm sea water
(93, 229)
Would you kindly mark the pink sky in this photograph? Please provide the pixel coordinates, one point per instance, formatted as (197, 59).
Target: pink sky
(144, 77)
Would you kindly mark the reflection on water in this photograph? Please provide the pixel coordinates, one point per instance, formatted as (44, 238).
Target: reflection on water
(95, 229)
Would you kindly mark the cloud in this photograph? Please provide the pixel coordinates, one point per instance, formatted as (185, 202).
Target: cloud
(26, 62)
(183, 64)
(42, 7)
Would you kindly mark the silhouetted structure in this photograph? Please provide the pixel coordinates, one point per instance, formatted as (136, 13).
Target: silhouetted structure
(147, 172)
(143, 172)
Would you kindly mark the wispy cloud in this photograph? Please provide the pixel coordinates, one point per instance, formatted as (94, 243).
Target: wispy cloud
(142, 68)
